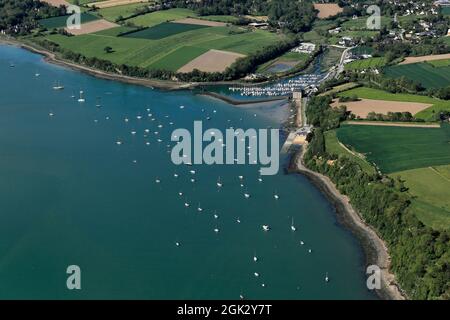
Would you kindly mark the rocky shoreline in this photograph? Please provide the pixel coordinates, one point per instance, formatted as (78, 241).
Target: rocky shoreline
(374, 247)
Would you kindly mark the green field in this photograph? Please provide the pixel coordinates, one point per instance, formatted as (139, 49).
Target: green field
(376, 62)
(176, 59)
(333, 146)
(446, 11)
(61, 21)
(361, 23)
(440, 63)
(114, 32)
(427, 114)
(399, 148)
(113, 13)
(425, 73)
(154, 18)
(431, 188)
(163, 30)
(160, 52)
(362, 50)
(225, 18)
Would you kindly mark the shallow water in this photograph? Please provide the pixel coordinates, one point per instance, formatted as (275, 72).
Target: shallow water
(69, 195)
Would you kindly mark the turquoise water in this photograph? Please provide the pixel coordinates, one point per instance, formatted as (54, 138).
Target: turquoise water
(69, 195)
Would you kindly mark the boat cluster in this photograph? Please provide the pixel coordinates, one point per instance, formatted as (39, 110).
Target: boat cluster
(155, 129)
(281, 88)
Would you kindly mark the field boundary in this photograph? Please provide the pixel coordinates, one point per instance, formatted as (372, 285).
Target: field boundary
(410, 60)
(392, 124)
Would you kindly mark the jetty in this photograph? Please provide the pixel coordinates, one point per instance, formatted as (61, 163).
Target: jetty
(297, 136)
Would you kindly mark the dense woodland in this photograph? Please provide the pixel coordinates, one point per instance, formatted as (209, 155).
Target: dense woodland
(19, 16)
(420, 255)
(293, 15)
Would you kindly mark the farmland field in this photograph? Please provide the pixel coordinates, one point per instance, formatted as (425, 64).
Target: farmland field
(361, 23)
(212, 61)
(374, 94)
(431, 187)
(154, 18)
(176, 59)
(362, 64)
(327, 9)
(399, 148)
(157, 53)
(362, 50)
(225, 19)
(440, 63)
(124, 11)
(425, 73)
(333, 146)
(363, 107)
(61, 21)
(163, 30)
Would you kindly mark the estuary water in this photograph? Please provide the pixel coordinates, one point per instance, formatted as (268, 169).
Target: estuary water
(71, 195)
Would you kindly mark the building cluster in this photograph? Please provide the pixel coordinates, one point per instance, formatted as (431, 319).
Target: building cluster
(305, 47)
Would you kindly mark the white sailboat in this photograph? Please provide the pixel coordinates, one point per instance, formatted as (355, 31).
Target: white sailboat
(265, 227)
(293, 228)
(58, 86)
(219, 184)
(326, 278)
(81, 98)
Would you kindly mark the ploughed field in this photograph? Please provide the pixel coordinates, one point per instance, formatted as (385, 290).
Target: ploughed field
(428, 114)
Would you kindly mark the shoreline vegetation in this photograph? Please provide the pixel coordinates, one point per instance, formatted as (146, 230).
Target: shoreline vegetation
(169, 85)
(415, 252)
(374, 247)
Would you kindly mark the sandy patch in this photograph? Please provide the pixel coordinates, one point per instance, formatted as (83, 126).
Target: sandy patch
(410, 60)
(392, 124)
(212, 61)
(327, 9)
(113, 3)
(56, 3)
(200, 22)
(93, 26)
(364, 106)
